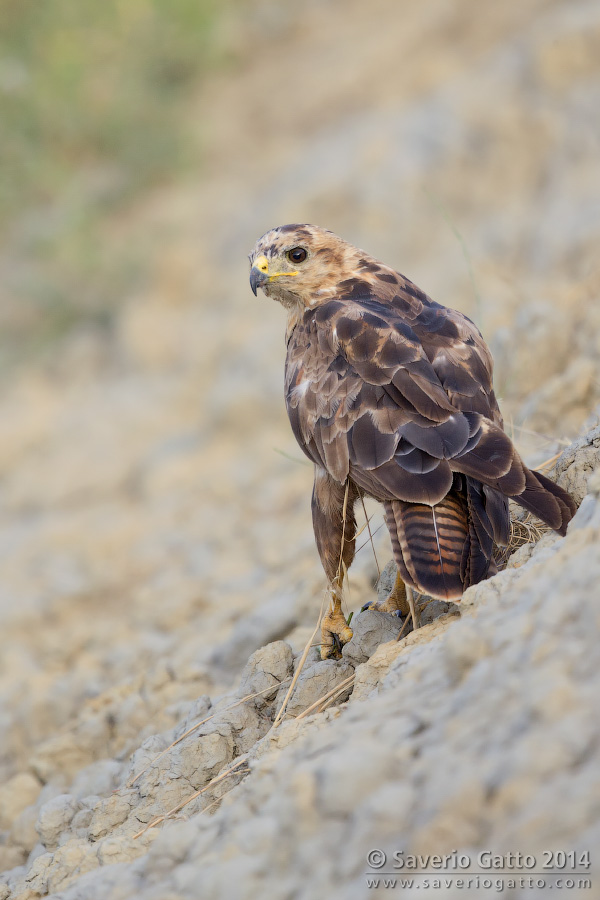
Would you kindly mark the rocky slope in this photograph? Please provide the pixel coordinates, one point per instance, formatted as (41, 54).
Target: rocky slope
(156, 558)
(462, 736)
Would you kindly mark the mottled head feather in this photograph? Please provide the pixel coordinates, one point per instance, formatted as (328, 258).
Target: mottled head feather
(332, 267)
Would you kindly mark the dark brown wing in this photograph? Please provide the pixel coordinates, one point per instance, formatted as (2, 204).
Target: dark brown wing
(360, 390)
(463, 363)
(365, 399)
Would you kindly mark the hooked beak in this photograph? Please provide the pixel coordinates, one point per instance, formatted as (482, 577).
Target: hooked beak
(259, 273)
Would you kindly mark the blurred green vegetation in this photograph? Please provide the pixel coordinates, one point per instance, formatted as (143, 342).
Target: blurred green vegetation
(95, 84)
(95, 108)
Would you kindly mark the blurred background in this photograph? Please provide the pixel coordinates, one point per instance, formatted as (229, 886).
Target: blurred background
(154, 508)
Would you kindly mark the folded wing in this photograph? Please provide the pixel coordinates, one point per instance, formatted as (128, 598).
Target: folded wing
(407, 410)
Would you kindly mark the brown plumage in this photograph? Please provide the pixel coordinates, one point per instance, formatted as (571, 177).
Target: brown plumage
(391, 394)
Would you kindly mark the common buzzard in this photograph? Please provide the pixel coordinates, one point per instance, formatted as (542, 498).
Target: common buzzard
(390, 395)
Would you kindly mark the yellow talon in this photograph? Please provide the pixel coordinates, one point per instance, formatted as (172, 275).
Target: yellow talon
(335, 631)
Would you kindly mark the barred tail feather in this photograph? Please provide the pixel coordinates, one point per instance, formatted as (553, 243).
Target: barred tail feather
(390, 521)
(430, 544)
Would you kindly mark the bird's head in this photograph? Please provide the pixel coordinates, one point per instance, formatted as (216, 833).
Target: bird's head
(300, 265)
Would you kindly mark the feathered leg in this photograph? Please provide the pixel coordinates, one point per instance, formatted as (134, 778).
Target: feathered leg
(401, 598)
(395, 603)
(334, 526)
(414, 611)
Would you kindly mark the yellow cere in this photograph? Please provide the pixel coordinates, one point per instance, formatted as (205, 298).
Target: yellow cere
(262, 264)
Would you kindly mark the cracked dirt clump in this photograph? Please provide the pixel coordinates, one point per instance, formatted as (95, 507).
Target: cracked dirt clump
(506, 689)
(158, 575)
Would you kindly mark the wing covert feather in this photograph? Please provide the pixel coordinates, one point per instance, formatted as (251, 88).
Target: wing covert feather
(402, 405)
(365, 399)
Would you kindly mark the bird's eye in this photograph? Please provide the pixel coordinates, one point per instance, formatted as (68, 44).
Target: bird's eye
(296, 255)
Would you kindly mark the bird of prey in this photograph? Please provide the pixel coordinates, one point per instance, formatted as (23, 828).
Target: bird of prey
(390, 395)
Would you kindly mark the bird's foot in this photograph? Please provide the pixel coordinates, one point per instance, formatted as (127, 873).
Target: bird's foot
(400, 602)
(389, 605)
(395, 603)
(335, 632)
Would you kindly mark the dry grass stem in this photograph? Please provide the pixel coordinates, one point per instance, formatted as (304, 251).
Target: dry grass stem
(362, 528)
(368, 524)
(180, 806)
(404, 624)
(544, 437)
(522, 531)
(362, 546)
(344, 511)
(194, 727)
(338, 689)
(286, 699)
(548, 463)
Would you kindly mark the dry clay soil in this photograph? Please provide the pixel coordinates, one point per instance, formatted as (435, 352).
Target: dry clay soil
(156, 558)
